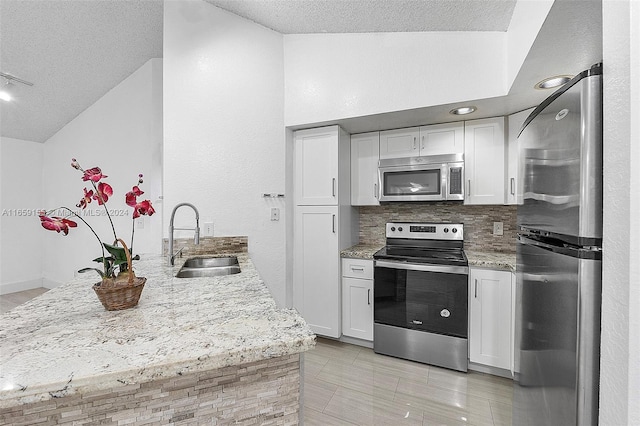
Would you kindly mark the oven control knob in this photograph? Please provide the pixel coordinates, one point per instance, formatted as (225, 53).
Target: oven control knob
(446, 230)
(393, 229)
(445, 313)
(454, 230)
(400, 229)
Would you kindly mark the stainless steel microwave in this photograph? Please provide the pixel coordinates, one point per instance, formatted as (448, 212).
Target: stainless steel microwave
(429, 178)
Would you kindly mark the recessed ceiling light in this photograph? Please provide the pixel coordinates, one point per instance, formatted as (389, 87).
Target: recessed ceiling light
(463, 110)
(553, 82)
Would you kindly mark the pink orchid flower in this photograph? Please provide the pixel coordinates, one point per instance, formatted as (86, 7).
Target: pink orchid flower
(94, 174)
(104, 192)
(143, 208)
(86, 199)
(131, 196)
(58, 224)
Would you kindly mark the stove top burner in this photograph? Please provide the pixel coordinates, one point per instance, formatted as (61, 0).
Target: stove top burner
(423, 255)
(434, 243)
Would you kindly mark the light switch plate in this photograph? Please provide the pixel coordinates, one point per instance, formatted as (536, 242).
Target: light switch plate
(498, 228)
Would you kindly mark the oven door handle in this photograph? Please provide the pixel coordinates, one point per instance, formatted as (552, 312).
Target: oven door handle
(447, 269)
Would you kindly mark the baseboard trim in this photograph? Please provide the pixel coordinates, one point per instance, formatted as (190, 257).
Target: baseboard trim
(21, 286)
(501, 372)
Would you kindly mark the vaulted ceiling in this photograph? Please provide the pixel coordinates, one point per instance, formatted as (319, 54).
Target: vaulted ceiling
(75, 51)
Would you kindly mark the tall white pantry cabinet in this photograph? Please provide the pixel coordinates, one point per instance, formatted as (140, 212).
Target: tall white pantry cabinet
(324, 224)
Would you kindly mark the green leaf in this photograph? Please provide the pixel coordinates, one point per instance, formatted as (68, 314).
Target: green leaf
(83, 270)
(118, 253)
(102, 259)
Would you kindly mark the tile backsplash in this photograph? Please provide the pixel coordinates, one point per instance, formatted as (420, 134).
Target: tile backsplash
(477, 220)
(208, 245)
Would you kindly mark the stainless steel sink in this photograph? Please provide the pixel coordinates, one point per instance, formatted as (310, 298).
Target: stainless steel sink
(209, 267)
(210, 262)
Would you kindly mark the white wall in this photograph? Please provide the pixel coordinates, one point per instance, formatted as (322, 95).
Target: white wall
(527, 19)
(620, 360)
(120, 133)
(224, 130)
(333, 76)
(20, 230)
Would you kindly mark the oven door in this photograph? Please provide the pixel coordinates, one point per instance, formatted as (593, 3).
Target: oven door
(427, 182)
(421, 297)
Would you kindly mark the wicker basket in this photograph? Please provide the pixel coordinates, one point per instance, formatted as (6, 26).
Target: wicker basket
(119, 295)
(122, 292)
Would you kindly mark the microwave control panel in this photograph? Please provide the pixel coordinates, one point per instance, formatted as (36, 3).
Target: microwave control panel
(455, 180)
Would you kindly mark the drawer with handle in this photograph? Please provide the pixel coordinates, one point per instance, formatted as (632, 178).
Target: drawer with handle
(357, 268)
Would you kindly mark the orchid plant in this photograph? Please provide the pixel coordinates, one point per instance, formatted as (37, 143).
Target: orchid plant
(100, 192)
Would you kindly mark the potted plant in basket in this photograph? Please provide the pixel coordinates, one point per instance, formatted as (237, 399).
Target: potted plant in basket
(115, 291)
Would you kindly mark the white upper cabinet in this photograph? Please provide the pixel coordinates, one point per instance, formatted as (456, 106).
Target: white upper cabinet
(400, 143)
(513, 185)
(365, 153)
(317, 167)
(484, 161)
(441, 139)
(436, 139)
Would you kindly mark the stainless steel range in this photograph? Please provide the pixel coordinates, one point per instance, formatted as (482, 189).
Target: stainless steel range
(420, 294)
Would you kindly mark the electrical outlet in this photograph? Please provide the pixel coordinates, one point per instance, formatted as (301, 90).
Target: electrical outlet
(275, 213)
(497, 228)
(208, 229)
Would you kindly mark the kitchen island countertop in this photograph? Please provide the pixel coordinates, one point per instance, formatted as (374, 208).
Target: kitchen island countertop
(64, 342)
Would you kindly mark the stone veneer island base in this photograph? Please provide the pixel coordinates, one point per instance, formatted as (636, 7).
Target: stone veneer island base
(194, 351)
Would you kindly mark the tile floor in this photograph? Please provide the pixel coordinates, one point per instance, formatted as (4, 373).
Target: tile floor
(11, 300)
(350, 385)
(346, 384)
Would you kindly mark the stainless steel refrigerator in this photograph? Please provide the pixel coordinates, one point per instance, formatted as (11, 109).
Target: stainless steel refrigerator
(559, 258)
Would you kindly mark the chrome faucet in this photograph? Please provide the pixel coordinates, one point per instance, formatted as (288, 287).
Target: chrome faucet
(196, 238)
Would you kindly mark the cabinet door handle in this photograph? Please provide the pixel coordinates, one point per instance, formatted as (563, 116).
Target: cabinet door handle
(422, 143)
(333, 187)
(469, 187)
(476, 290)
(368, 296)
(333, 223)
(414, 143)
(513, 186)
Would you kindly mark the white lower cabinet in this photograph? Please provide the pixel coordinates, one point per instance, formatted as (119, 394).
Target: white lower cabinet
(357, 298)
(490, 317)
(316, 271)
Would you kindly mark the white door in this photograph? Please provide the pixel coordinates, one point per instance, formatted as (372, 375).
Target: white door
(357, 308)
(484, 161)
(490, 317)
(365, 153)
(400, 143)
(316, 166)
(316, 292)
(440, 139)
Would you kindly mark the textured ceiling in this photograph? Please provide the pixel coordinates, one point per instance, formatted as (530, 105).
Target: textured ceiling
(362, 16)
(73, 51)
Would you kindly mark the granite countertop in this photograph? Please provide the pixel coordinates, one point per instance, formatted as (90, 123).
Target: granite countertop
(484, 259)
(492, 260)
(64, 342)
(361, 251)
